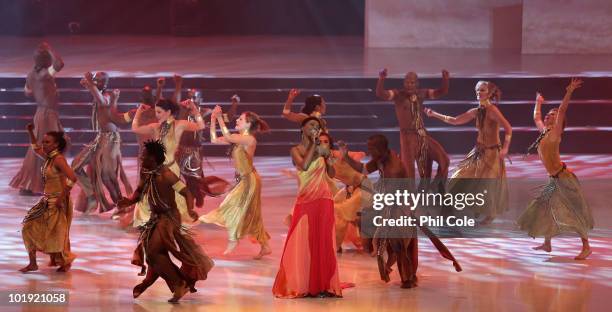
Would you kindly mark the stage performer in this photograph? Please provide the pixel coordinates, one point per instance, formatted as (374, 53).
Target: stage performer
(561, 206)
(308, 265)
(102, 156)
(416, 144)
(240, 212)
(40, 84)
(46, 227)
(163, 234)
(169, 131)
(314, 105)
(484, 167)
(401, 245)
(348, 200)
(190, 151)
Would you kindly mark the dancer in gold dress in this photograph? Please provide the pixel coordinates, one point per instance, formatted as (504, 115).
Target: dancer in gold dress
(169, 131)
(240, 212)
(46, 227)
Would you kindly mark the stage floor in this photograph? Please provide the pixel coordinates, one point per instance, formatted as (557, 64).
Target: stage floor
(499, 274)
(285, 57)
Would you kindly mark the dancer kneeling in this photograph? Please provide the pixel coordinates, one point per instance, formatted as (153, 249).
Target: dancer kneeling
(401, 244)
(163, 234)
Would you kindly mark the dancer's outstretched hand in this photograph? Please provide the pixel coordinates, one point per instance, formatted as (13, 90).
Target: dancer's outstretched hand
(429, 112)
(217, 111)
(177, 79)
(293, 93)
(445, 74)
(539, 98)
(161, 81)
(382, 74)
(84, 82)
(574, 84)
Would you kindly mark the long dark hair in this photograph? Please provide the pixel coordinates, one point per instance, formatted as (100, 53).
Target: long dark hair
(311, 103)
(168, 105)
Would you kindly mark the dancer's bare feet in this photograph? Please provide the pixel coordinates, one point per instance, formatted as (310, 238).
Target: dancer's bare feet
(545, 247)
(585, 253)
(29, 267)
(457, 266)
(63, 268)
(137, 291)
(179, 292)
(265, 250)
(409, 284)
(231, 245)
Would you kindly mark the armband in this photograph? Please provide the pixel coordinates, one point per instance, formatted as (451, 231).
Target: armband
(178, 186)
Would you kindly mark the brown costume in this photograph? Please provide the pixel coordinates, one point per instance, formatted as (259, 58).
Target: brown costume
(416, 143)
(102, 157)
(163, 236)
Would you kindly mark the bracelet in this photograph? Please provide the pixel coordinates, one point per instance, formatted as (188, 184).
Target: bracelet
(178, 186)
(225, 131)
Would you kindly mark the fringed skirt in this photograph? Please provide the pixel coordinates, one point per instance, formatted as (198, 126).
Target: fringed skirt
(559, 208)
(482, 171)
(46, 228)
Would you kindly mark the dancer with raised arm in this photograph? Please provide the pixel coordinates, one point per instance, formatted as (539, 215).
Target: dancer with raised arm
(561, 206)
(190, 149)
(400, 245)
(314, 106)
(169, 131)
(46, 227)
(416, 144)
(40, 84)
(240, 212)
(102, 156)
(483, 168)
